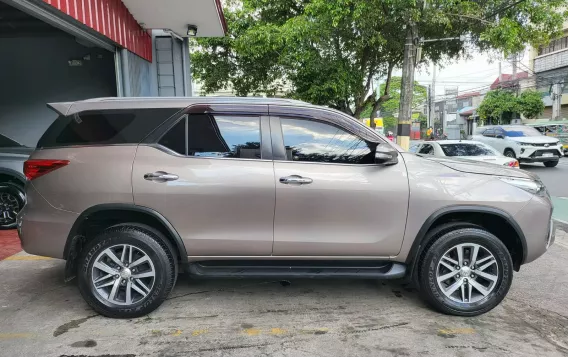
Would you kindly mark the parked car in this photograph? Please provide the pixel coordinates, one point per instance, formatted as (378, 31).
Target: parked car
(466, 149)
(557, 129)
(524, 143)
(12, 180)
(129, 190)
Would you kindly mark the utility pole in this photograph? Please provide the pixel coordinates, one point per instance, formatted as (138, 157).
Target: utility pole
(429, 104)
(557, 89)
(432, 114)
(500, 74)
(407, 86)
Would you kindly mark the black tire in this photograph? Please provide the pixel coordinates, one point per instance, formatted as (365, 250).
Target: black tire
(144, 238)
(430, 258)
(550, 163)
(510, 153)
(12, 200)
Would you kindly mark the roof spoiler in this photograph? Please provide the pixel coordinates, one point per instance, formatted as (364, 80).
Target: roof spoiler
(60, 108)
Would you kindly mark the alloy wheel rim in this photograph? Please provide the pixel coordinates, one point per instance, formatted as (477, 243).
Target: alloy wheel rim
(123, 274)
(467, 273)
(9, 208)
(509, 154)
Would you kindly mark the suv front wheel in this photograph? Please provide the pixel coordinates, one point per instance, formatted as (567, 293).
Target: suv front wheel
(466, 272)
(127, 271)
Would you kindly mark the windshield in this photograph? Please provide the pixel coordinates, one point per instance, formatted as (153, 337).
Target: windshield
(520, 131)
(468, 149)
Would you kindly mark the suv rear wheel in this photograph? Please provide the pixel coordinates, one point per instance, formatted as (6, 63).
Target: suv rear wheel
(466, 272)
(12, 200)
(127, 271)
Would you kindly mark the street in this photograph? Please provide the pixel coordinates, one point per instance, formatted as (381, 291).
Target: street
(555, 180)
(40, 315)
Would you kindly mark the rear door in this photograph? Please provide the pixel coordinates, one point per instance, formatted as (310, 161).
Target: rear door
(212, 177)
(331, 199)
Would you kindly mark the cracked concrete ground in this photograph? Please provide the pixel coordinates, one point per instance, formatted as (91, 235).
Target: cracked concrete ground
(42, 316)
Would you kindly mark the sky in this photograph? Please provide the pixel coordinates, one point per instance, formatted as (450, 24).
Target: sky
(470, 75)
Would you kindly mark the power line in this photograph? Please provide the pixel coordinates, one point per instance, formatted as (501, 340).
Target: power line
(504, 8)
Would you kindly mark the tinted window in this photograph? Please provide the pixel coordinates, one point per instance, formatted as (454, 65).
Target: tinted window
(520, 131)
(104, 127)
(224, 136)
(489, 133)
(426, 150)
(7, 142)
(313, 141)
(174, 139)
(464, 149)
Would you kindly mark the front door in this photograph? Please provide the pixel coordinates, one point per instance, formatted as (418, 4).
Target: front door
(331, 199)
(209, 177)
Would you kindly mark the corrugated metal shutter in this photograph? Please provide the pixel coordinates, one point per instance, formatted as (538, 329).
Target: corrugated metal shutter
(139, 76)
(165, 63)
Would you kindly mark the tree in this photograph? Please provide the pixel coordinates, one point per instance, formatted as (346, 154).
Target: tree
(498, 105)
(328, 52)
(530, 104)
(391, 105)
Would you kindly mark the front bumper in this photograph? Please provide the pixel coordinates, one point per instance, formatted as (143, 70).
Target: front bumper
(535, 221)
(538, 154)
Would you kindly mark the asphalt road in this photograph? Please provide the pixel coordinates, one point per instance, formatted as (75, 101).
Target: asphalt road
(42, 316)
(556, 180)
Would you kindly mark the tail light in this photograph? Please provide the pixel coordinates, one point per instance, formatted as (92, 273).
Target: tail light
(36, 168)
(514, 163)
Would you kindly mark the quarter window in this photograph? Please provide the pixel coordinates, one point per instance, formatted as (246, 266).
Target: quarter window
(215, 136)
(312, 141)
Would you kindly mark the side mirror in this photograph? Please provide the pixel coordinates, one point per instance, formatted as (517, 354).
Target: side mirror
(499, 136)
(386, 155)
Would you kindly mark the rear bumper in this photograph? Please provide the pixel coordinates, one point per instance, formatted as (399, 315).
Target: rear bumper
(43, 229)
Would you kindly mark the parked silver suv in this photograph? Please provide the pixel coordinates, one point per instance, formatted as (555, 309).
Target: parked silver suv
(130, 190)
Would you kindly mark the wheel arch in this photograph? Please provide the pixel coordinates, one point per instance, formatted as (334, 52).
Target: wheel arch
(99, 217)
(9, 175)
(473, 214)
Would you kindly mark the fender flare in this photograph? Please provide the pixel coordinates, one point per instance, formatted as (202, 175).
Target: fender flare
(17, 175)
(72, 237)
(419, 241)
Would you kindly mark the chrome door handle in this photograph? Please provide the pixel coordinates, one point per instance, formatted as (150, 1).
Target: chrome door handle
(295, 180)
(160, 176)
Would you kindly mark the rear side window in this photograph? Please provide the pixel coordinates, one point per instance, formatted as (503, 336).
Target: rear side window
(104, 127)
(215, 136)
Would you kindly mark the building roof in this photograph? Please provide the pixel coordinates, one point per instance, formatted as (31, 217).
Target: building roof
(507, 80)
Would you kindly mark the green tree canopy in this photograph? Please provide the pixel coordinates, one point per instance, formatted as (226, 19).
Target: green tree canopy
(390, 106)
(500, 105)
(497, 105)
(531, 104)
(328, 52)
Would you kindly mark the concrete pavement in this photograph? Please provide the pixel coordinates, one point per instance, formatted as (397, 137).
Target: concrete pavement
(42, 316)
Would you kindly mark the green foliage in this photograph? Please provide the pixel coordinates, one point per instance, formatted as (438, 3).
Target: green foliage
(392, 105)
(497, 105)
(531, 104)
(389, 123)
(328, 52)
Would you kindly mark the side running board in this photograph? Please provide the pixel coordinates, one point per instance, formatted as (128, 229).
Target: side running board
(298, 269)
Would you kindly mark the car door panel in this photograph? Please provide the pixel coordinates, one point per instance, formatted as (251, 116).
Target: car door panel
(346, 209)
(219, 206)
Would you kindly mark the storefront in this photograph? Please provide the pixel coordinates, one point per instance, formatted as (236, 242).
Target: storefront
(66, 50)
